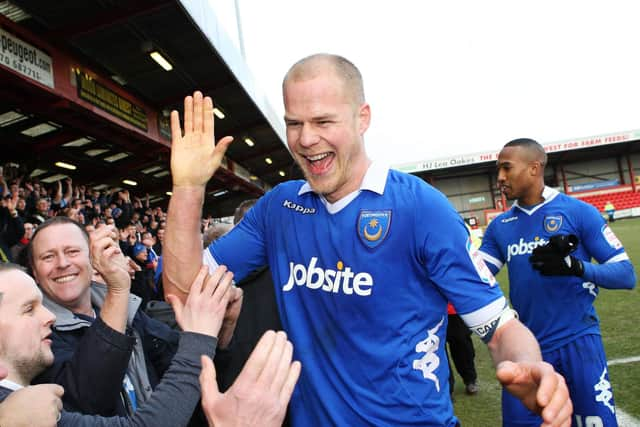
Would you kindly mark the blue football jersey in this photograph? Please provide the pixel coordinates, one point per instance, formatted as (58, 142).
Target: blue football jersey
(557, 309)
(362, 292)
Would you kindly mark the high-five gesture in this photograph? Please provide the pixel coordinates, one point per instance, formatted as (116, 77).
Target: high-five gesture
(194, 155)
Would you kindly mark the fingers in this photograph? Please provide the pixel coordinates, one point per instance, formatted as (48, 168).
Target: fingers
(208, 116)
(506, 372)
(208, 383)
(188, 114)
(197, 111)
(222, 145)
(176, 132)
(290, 383)
(283, 361)
(271, 365)
(258, 358)
(213, 280)
(558, 407)
(198, 282)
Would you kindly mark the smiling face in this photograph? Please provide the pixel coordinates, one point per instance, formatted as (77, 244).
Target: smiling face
(62, 267)
(325, 129)
(25, 327)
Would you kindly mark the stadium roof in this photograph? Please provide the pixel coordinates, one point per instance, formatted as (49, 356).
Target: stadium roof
(102, 106)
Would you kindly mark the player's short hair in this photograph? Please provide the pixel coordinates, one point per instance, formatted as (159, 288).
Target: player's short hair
(313, 65)
(531, 145)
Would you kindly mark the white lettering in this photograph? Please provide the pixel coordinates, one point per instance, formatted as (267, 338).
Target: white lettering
(327, 280)
(523, 248)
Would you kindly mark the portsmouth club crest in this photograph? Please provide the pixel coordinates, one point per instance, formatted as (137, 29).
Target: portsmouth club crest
(373, 227)
(552, 223)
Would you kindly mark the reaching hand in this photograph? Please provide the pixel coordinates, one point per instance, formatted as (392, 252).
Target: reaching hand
(206, 303)
(540, 388)
(230, 317)
(108, 259)
(262, 391)
(32, 406)
(195, 156)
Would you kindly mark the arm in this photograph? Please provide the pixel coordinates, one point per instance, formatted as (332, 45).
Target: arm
(182, 246)
(520, 369)
(173, 401)
(611, 275)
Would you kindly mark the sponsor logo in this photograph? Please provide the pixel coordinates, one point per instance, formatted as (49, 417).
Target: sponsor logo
(552, 223)
(610, 237)
(524, 248)
(506, 220)
(373, 227)
(342, 279)
(590, 287)
(298, 208)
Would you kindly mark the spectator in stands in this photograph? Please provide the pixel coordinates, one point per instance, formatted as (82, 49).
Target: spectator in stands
(60, 258)
(547, 239)
(610, 209)
(260, 394)
(41, 212)
(18, 253)
(11, 226)
(366, 306)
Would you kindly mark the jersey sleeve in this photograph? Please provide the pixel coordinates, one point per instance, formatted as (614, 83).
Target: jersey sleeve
(600, 242)
(451, 260)
(243, 248)
(490, 250)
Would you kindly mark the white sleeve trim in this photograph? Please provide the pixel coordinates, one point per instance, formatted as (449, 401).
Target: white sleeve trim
(491, 260)
(209, 261)
(617, 258)
(485, 314)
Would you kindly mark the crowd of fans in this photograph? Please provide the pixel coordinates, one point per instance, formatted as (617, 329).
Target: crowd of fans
(27, 203)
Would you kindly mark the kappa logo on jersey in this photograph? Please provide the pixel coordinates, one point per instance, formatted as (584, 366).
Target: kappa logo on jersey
(341, 279)
(506, 220)
(603, 387)
(552, 223)
(428, 363)
(483, 271)
(524, 248)
(298, 208)
(373, 227)
(610, 237)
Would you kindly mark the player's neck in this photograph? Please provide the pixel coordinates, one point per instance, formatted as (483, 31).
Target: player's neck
(533, 196)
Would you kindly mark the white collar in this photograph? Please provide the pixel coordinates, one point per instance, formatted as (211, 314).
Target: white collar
(375, 179)
(10, 385)
(548, 194)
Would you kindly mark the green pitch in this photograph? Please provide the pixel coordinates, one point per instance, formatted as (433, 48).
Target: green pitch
(619, 313)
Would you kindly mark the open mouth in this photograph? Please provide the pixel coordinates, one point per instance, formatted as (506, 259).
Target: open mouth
(65, 279)
(319, 163)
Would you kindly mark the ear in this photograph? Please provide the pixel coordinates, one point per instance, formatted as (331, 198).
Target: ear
(364, 116)
(535, 168)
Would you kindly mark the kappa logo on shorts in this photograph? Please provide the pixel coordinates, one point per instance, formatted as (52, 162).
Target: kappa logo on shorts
(552, 223)
(373, 227)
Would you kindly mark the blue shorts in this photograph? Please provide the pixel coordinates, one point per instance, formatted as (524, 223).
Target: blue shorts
(583, 364)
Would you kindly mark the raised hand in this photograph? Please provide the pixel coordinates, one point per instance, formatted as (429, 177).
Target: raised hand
(262, 391)
(194, 155)
(206, 304)
(108, 259)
